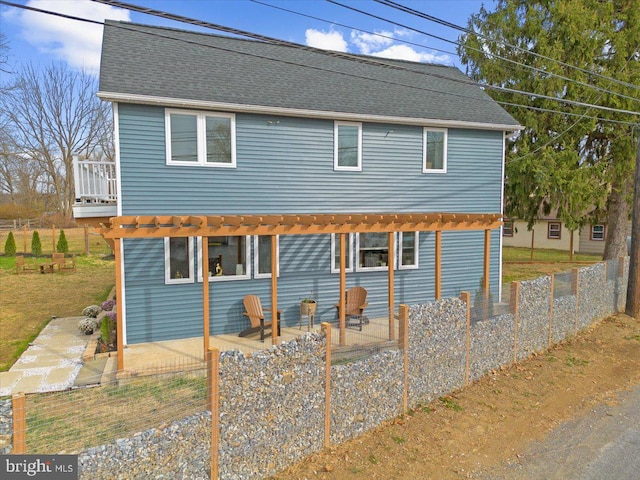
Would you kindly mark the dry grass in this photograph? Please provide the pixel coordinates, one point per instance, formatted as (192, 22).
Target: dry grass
(27, 301)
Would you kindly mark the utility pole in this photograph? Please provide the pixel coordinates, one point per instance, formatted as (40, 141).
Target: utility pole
(633, 290)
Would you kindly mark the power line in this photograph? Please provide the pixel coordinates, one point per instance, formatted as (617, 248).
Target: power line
(508, 60)
(332, 22)
(445, 23)
(362, 59)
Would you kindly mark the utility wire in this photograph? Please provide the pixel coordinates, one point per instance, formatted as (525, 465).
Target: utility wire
(508, 60)
(445, 23)
(332, 22)
(156, 34)
(360, 59)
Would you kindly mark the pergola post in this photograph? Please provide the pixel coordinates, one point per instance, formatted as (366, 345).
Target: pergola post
(487, 263)
(438, 266)
(274, 290)
(205, 294)
(390, 265)
(117, 251)
(343, 288)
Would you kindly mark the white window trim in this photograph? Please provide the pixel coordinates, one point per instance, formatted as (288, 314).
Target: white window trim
(337, 167)
(375, 269)
(444, 150)
(256, 258)
(167, 264)
(603, 233)
(335, 244)
(227, 278)
(201, 127)
(415, 248)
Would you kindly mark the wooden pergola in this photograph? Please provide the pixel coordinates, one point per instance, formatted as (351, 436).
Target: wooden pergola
(130, 227)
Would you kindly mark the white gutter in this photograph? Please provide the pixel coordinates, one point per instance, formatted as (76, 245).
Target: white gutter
(297, 112)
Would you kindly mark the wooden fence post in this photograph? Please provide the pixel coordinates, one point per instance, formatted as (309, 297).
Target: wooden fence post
(19, 411)
(575, 290)
(86, 240)
(403, 343)
(515, 307)
(53, 238)
(213, 399)
(466, 298)
(24, 238)
(326, 328)
(553, 282)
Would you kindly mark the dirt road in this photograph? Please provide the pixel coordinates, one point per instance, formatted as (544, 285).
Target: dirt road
(494, 421)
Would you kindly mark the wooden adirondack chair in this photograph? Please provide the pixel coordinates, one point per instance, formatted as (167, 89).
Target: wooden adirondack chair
(254, 311)
(356, 302)
(57, 260)
(69, 265)
(23, 267)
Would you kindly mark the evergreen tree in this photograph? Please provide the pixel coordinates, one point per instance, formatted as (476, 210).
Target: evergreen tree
(574, 163)
(10, 245)
(62, 246)
(36, 246)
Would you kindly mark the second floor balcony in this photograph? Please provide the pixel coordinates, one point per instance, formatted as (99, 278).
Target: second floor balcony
(95, 190)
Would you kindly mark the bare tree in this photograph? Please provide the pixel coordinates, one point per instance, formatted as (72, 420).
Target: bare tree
(56, 114)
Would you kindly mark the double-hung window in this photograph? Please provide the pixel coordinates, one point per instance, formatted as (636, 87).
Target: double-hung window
(597, 233)
(262, 256)
(228, 258)
(507, 228)
(408, 250)
(200, 138)
(372, 251)
(434, 150)
(347, 146)
(335, 249)
(554, 230)
(178, 260)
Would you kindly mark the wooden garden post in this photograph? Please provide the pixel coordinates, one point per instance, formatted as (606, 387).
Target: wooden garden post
(390, 271)
(19, 412)
(438, 266)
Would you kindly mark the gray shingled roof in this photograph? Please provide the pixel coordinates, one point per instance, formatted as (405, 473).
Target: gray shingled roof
(178, 64)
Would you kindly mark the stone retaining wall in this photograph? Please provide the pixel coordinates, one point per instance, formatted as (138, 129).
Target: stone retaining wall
(272, 410)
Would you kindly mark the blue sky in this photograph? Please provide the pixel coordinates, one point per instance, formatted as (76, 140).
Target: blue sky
(41, 39)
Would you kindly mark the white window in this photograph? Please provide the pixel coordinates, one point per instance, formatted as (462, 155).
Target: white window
(372, 251)
(178, 260)
(200, 138)
(335, 253)
(347, 146)
(597, 233)
(262, 256)
(228, 258)
(408, 250)
(434, 150)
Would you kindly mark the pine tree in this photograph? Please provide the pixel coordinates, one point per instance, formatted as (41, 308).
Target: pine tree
(36, 246)
(10, 245)
(62, 246)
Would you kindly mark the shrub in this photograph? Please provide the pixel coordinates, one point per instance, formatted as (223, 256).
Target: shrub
(91, 311)
(36, 246)
(10, 245)
(62, 245)
(108, 305)
(87, 325)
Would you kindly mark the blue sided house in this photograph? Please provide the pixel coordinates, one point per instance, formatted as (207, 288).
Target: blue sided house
(241, 164)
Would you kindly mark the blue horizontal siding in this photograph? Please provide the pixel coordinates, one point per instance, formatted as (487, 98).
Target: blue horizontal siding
(286, 166)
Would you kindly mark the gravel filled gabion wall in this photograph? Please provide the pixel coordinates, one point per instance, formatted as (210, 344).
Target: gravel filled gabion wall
(365, 393)
(590, 295)
(272, 403)
(271, 407)
(491, 344)
(6, 426)
(533, 316)
(437, 349)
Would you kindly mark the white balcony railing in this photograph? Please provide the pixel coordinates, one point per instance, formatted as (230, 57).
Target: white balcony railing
(95, 181)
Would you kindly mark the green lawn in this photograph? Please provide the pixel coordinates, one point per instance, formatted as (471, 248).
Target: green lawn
(545, 263)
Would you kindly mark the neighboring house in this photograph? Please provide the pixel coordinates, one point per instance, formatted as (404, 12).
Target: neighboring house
(553, 234)
(219, 126)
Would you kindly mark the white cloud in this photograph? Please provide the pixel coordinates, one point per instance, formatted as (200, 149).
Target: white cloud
(405, 52)
(74, 42)
(332, 40)
(366, 42)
